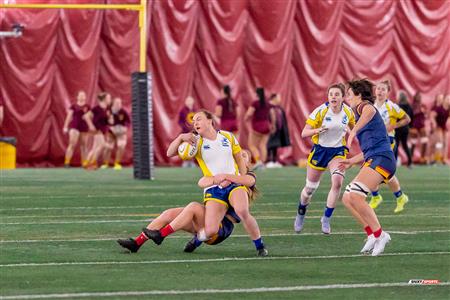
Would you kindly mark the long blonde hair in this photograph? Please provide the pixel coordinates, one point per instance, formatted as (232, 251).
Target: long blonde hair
(253, 192)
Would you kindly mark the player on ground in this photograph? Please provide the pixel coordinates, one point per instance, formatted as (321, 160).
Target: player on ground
(191, 218)
(379, 163)
(393, 117)
(327, 125)
(77, 129)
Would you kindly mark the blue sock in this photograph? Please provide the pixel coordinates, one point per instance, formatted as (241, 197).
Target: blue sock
(258, 243)
(197, 242)
(398, 194)
(375, 193)
(302, 208)
(328, 212)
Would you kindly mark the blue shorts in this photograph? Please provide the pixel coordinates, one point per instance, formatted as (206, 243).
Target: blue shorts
(221, 195)
(320, 156)
(384, 163)
(225, 230)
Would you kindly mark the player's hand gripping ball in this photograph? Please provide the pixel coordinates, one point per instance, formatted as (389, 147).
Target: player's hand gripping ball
(187, 151)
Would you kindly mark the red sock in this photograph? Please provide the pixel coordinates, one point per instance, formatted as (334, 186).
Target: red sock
(140, 239)
(377, 233)
(166, 230)
(368, 230)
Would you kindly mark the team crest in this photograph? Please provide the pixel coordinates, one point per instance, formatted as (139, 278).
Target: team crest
(225, 142)
(328, 119)
(345, 120)
(206, 147)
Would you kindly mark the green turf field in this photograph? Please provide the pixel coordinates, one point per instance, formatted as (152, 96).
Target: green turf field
(58, 229)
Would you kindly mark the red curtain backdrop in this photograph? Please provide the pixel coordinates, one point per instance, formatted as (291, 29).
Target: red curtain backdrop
(296, 48)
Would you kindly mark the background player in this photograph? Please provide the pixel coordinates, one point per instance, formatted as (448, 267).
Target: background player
(393, 117)
(77, 128)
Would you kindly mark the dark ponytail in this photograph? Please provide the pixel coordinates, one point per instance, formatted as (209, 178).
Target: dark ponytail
(228, 99)
(261, 96)
(364, 88)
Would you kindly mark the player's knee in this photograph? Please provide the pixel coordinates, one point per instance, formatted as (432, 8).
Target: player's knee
(310, 187)
(211, 229)
(121, 144)
(355, 190)
(193, 206)
(243, 213)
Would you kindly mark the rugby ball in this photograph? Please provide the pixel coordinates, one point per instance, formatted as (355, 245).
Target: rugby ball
(187, 151)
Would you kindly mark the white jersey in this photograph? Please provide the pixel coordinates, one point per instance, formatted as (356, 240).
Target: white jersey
(336, 123)
(216, 156)
(390, 113)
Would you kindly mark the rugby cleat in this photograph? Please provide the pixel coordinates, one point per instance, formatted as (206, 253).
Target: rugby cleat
(190, 246)
(401, 201)
(380, 243)
(326, 226)
(117, 166)
(263, 252)
(154, 235)
(129, 244)
(299, 221)
(368, 246)
(375, 201)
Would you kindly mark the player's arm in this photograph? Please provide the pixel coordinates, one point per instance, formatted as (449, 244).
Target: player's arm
(67, 120)
(184, 137)
(206, 181)
(88, 117)
(247, 179)
(308, 130)
(368, 111)
(402, 119)
(348, 163)
(1, 115)
(249, 113)
(240, 162)
(218, 111)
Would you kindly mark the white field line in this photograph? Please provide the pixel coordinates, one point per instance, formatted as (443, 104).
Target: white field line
(217, 291)
(232, 236)
(149, 194)
(261, 217)
(256, 213)
(224, 259)
(257, 204)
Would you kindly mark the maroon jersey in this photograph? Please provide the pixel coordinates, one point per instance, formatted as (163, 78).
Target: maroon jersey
(419, 117)
(441, 116)
(185, 119)
(100, 118)
(121, 118)
(78, 122)
(228, 120)
(261, 117)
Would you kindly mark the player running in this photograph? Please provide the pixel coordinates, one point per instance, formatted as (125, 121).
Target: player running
(379, 163)
(327, 125)
(393, 117)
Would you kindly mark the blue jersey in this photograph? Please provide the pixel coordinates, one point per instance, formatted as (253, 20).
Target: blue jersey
(373, 138)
